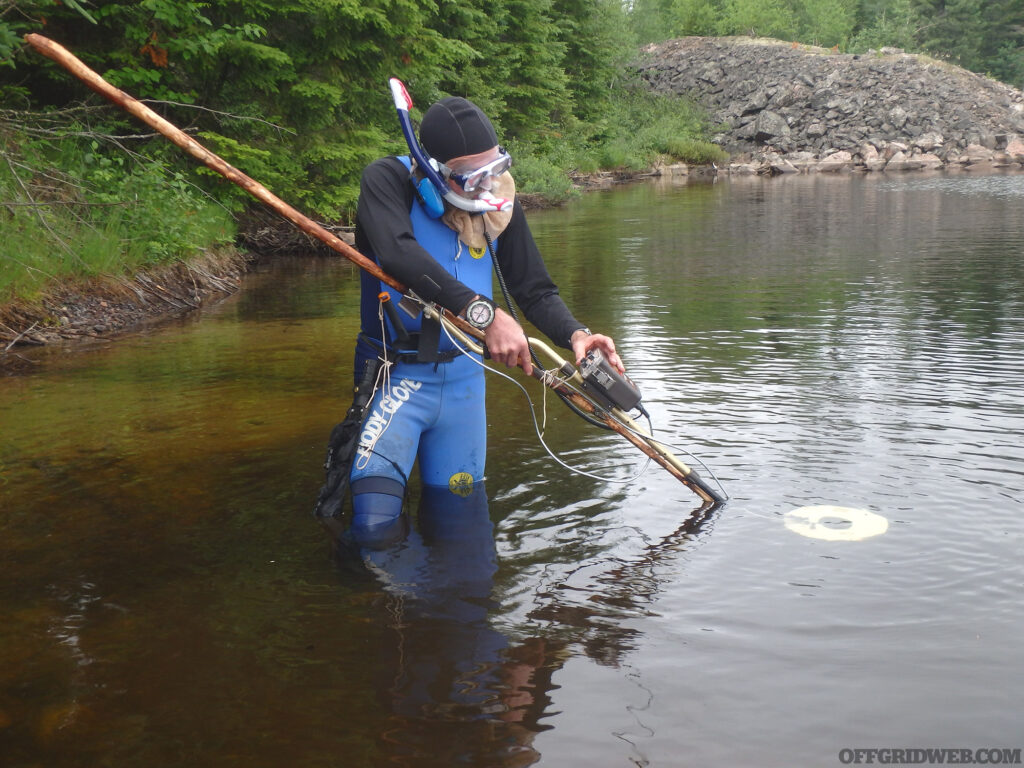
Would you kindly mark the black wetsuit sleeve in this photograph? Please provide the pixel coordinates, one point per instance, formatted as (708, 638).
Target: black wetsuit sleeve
(384, 232)
(530, 284)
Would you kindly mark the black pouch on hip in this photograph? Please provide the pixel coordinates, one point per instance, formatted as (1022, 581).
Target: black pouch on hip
(341, 449)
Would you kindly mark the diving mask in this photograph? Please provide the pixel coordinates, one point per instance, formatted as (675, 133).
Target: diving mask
(472, 180)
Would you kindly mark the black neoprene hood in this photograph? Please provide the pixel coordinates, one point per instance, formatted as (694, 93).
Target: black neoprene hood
(455, 127)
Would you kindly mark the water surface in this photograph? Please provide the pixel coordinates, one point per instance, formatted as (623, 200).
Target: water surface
(168, 599)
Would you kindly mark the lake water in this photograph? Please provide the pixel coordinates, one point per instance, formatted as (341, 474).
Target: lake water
(168, 599)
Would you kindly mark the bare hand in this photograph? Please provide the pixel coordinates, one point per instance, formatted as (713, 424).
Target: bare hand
(506, 342)
(582, 343)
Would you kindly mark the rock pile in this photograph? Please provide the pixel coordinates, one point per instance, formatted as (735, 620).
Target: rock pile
(787, 107)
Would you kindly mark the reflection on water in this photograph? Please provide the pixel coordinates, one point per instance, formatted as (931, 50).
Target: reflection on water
(169, 600)
(457, 691)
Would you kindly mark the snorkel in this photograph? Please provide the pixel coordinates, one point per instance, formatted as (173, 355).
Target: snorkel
(433, 186)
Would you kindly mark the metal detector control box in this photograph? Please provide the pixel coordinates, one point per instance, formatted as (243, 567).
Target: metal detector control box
(605, 383)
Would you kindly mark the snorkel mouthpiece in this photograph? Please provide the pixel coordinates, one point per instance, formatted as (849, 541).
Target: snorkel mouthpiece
(403, 101)
(433, 186)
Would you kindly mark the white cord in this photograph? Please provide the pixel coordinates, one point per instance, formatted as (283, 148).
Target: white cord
(678, 449)
(536, 426)
(549, 378)
(383, 382)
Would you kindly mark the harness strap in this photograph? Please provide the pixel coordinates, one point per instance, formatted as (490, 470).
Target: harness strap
(413, 350)
(429, 340)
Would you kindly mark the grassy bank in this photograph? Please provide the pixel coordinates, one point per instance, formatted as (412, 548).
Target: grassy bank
(640, 131)
(73, 208)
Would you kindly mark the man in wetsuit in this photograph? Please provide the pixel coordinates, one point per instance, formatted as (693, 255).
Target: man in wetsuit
(430, 403)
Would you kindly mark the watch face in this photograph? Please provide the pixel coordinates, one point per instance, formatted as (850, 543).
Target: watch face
(480, 314)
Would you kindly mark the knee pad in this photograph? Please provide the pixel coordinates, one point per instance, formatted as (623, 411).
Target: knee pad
(376, 509)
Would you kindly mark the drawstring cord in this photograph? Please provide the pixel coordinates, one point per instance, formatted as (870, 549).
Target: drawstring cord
(383, 383)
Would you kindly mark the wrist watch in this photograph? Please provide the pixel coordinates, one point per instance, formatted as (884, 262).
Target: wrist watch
(480, 312)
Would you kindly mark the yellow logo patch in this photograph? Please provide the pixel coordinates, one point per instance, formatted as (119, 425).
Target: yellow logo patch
(477, 253)
(461, 484)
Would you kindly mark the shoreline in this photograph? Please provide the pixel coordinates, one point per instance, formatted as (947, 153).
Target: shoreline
(104, 309)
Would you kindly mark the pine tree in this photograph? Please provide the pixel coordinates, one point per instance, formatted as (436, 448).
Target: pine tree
(530, 53)
(478, 24)
(597, 44)
(827, 22)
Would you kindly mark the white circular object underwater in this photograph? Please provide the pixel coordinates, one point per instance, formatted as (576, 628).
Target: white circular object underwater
(835, 523)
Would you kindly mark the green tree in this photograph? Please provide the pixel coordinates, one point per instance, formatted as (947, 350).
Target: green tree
(330, 62)
(651, 21)
(982, 35)
(827, 22)
(893, 23)
(537, 97)
(478, 24)
(1002, 49)
(695, 17)
(954, 30)
(759, 18)
(598, 44)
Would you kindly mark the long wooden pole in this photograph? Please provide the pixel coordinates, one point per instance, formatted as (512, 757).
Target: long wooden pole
(133, 106)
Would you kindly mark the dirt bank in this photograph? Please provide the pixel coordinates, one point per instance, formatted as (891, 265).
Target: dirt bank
(101, 308)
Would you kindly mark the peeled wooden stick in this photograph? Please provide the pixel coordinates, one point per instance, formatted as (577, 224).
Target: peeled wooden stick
(135, 107)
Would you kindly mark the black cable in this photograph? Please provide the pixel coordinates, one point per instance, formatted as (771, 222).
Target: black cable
(504, 292)
(533, 355)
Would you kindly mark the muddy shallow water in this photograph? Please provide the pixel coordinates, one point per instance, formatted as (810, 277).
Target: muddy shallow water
(169, 600)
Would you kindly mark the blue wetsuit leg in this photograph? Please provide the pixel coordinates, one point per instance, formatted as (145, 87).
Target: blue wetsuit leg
(443, 573)
(436, 411)
(453, 450)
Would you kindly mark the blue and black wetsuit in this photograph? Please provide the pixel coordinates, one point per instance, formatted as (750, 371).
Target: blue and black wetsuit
(433, 408)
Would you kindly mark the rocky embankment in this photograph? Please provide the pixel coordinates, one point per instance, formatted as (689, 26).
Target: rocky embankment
(787, 108)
